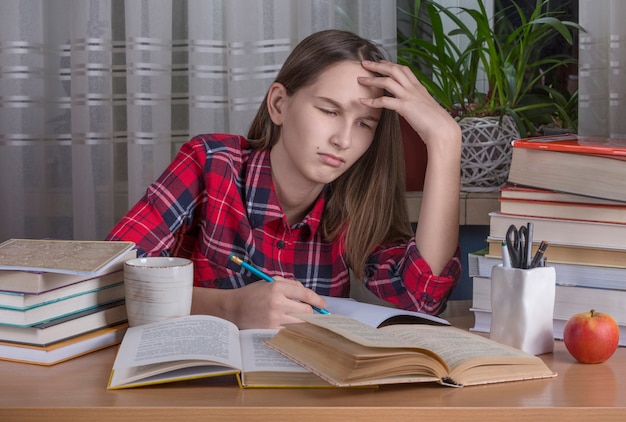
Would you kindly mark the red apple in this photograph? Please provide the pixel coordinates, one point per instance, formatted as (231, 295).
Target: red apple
(591, 337)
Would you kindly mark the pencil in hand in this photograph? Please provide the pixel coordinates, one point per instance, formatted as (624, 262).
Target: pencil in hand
(264, 276)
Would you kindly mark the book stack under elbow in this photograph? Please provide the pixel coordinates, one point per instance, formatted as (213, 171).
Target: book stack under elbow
(60, 299)
(573, 189)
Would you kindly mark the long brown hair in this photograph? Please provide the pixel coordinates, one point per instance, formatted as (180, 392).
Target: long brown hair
(366, 206)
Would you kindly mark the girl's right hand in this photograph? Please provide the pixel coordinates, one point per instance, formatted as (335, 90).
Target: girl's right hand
(259, 304)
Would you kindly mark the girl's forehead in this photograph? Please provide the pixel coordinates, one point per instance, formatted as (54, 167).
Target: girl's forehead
(339, 87)
(343, 75)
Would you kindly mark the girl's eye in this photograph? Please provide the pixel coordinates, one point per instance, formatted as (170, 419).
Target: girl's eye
(364, 125)
(329, 112)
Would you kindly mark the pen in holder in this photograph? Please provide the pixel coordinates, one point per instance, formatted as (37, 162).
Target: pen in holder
(522, 304)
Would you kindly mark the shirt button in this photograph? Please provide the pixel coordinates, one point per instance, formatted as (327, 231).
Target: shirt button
(280, 244)
(218, 283)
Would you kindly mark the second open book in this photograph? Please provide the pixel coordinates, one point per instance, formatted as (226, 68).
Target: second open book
(202, 346)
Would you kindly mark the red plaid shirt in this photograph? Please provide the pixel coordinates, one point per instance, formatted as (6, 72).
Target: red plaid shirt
(217, 197)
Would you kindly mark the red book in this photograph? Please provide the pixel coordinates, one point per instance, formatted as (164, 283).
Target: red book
(546, 203)
(513, 192)
(576, 144)
(580, 165)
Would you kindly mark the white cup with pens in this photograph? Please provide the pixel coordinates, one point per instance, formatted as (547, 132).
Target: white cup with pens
(517, 249)
(522, 295)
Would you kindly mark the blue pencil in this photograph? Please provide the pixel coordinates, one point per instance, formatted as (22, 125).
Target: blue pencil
(264, 276)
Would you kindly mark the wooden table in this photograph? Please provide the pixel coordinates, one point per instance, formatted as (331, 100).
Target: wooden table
(76, 391)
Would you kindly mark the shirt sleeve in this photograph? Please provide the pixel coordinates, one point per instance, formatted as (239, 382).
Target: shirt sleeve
(165, 218)
(400, 275)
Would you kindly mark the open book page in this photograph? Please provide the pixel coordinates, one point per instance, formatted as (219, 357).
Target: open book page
(376, 315)
(354, 330)
(151, 349)
(455, 346)
(257, 356)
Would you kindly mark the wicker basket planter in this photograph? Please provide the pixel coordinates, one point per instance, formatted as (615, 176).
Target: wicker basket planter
(486, 153)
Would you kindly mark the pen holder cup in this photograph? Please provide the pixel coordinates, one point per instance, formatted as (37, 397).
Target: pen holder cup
(522, 305)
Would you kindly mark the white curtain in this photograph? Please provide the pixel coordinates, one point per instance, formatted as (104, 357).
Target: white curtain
(602, 68)
(96, 96)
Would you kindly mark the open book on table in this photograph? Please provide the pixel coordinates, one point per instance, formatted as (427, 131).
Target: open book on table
(201, 346)
(346, 352)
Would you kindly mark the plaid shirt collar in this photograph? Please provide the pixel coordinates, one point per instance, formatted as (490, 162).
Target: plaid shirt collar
(262, 202)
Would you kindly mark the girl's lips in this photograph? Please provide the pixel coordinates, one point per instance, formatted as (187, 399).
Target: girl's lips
(331, 160)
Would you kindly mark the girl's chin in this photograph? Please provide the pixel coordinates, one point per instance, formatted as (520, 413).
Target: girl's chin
(325, 177)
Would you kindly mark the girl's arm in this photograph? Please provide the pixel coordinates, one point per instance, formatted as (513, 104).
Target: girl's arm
(437, 230)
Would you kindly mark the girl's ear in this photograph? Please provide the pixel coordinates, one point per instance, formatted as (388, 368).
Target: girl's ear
(276, 103)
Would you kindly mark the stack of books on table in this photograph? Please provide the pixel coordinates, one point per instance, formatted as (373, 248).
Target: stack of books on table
(60, 299)
(573, 189)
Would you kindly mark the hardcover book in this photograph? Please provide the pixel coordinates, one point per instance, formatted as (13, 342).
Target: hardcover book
(569, 300)
(594, 167)
(572, 232)
(570, 254)
(203, 346)
(579, 274)
(346, 353)
(58, 329)
(565, 210)
(35, 282)
(61, 308)
(524, 193)
(64, 350)
(80, 257)
(24, 301)
(576, 144)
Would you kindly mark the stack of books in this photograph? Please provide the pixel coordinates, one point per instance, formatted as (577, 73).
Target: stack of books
(60, 299)
(573, 189)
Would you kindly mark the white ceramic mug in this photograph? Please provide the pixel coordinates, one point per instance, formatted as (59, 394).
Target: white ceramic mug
(157, 288)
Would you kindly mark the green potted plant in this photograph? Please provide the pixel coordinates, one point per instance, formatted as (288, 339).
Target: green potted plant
(555, 111)
(506, 58)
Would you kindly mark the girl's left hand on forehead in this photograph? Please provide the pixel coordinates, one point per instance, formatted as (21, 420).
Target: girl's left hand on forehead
(410, 99)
